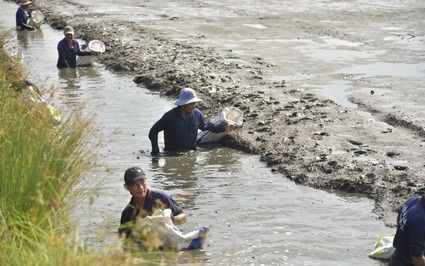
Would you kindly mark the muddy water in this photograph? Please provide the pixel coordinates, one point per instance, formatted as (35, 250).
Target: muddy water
(256, 217)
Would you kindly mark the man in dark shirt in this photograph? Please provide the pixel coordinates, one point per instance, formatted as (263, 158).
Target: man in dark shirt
(181, 124)
(69, 49)
(22, 17)
(145, 201)
(409, 240)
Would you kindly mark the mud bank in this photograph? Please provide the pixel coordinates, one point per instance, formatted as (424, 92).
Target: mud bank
(300, 134)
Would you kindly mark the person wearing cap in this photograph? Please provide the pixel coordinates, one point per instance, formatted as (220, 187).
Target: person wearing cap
(181, 124)
(69, 49)
(22, 16)
(145, 201)
(409, 240)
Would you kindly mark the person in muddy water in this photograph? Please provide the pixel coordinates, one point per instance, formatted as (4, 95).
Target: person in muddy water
(145, 201)
(181, 124)
(409, 240)
(22, 16)
(69, 49)
(162, 213)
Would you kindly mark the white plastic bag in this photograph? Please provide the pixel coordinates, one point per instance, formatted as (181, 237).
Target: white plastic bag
(93, 46)
(36, 19)
(230, 115)
(161, 227)
(383, 247)
(32, 94)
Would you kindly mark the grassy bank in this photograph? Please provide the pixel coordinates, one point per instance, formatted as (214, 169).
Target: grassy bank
(40, 164)
(43, 165)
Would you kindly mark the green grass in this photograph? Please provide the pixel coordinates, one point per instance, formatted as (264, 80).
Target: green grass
(42, 170)
(41, 167)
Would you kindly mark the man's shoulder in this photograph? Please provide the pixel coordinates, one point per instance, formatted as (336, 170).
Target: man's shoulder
(197, 111)
(172, 112)
(158, 192)
(62, 42)
(416, 213)
(155, 193)
(414, 202)
(197, 114)
(129, 207)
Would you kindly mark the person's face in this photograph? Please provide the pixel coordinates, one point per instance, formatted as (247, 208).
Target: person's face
(188, 108)
(138, 189)
(26, 7)
(69, 37)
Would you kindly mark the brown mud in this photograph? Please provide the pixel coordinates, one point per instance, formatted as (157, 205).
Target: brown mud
(305, 137)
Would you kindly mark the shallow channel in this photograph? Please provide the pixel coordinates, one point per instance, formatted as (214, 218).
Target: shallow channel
(256, 217)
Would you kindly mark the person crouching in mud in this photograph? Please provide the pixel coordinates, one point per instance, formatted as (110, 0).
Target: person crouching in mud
(181, 124)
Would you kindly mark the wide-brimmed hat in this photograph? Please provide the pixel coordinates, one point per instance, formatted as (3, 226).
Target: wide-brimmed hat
(68, 30)
(25, 3)
(187, 95)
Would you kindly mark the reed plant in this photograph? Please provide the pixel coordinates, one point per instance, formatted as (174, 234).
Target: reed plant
(41, 167)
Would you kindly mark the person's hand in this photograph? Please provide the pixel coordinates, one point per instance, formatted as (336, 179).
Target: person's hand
(203, 231)
(179, 219)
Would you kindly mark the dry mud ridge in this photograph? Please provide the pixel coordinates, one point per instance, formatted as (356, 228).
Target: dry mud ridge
(306, 138)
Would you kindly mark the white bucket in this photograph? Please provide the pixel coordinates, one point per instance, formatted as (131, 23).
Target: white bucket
(86, 60)
(93, 46)
(230, 115)
(36, 19)
(96, 46)
(159, 226)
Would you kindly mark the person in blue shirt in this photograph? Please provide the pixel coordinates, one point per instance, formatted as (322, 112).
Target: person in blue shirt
(145, 201)
(181, 124)
(69, 49)
(22, 17)
(409, 240)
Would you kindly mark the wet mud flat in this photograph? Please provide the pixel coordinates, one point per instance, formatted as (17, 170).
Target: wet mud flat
(298, 133)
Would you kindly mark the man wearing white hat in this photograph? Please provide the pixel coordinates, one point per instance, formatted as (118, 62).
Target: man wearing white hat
(22, 16)
(181, 124)
(69, 49)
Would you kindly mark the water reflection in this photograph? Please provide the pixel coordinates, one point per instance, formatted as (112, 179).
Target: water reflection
(22, 37)
(72, 80)
(214, 156)
(193, 257)
(71, 76)
(176, 172)
(91, 72)
(26, 38)
(68, 75)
